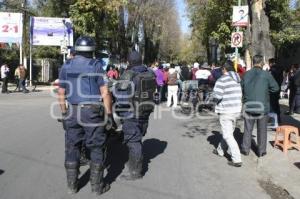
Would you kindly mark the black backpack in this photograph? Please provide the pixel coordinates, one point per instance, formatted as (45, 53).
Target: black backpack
(140, 90)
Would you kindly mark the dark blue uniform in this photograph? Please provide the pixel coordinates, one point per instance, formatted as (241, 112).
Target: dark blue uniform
(135, 128)
(82, 78)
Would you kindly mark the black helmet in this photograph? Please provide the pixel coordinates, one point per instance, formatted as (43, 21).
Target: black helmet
(85, 44)
(135, 58)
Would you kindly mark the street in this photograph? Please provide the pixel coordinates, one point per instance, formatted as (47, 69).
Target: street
(178, 158)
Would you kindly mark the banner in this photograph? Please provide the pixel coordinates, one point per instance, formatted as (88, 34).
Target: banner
(240, 15)
(11, 27)
(48, 31)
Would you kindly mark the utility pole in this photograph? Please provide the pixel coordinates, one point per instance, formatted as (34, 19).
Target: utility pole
(24, 38)
(236, 48)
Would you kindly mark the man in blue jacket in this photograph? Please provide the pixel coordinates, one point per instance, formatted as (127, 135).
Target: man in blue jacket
(134, 95)
(83, 83)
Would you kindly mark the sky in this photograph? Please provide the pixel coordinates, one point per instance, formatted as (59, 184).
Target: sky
(293, 4)
(184, 20)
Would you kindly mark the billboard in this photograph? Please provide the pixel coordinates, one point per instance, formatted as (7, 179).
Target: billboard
(11, 27)
(240, 15)
(49, 31)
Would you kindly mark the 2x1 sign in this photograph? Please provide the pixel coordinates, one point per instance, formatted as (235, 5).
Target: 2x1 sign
(11, 27)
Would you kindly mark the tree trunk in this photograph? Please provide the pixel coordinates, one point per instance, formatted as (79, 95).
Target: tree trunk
(260, 42)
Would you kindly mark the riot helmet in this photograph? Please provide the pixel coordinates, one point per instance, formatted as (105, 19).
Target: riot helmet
(135, 59)
(85, 44)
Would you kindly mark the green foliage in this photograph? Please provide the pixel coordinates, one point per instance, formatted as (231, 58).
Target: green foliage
(212, 19)
(283, 22)
(46, 52)
(95, 17)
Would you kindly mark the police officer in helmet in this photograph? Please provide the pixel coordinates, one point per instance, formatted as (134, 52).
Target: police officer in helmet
(135, 121)
(83, 84)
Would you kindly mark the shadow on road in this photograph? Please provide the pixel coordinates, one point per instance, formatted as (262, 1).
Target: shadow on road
(1, 171)
(117, 156)
(151, 149)
(194, 131)
(215, 138)
(287, 119)
(238, 135)
(297, 164)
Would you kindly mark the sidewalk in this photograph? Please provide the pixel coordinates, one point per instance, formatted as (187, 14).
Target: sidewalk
(282, 170)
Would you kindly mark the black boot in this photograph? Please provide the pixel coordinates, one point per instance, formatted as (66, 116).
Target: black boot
(72, 169)
(135, 167)
(96, 179)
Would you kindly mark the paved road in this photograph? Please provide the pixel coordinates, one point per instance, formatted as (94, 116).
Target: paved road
(178, 159)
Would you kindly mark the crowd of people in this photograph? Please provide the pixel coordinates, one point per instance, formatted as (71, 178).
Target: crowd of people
(170, 79)
(252, 94)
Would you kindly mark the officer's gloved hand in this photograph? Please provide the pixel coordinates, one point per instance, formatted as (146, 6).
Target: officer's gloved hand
(110, 124)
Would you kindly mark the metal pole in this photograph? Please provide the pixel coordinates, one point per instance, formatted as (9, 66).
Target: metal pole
(30, 55)
(64, 42)
(236, 48)
(21, 52)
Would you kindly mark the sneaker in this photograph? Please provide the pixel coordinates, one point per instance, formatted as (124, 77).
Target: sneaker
(235, 164)
(215, 151)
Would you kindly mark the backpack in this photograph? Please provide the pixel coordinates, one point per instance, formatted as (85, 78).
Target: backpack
(137, 89)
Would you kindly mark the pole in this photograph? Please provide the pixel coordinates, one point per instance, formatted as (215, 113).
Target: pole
(30, 53)
(21, 52)
(236, 48)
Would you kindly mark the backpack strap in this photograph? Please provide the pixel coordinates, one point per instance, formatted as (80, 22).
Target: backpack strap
(92, 62)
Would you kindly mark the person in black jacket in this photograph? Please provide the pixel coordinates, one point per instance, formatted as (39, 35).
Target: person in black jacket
(277, 73)
(292, 88)
(295, 91)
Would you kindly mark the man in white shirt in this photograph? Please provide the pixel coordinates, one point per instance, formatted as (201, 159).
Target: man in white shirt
(202, 74)
(4, 76)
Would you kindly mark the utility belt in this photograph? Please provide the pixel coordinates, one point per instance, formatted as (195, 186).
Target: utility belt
(87, 105)
(96, 106)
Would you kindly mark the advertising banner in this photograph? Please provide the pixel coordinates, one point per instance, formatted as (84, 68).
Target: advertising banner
(240, 16)
(11, 27)
(48, 31)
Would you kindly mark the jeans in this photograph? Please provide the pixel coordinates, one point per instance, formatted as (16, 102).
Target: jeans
(22, 85)
(160, 92)
(262, 122)
(228, 123)
(172, 92)
(274, 102)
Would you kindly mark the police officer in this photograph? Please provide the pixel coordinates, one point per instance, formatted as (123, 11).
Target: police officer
(83, 83)
(135, 123)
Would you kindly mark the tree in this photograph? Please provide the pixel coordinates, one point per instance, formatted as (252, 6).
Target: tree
(271, 23)
(98, 19)
(284, 20)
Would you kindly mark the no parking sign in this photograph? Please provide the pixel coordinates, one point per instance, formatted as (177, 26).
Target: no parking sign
(237, 39)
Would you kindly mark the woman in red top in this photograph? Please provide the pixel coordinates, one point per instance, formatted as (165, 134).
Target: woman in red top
(113, 73)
